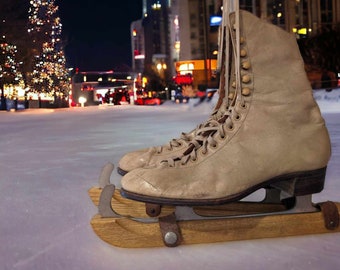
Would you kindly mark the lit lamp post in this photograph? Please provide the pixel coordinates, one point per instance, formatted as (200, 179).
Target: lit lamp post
(82, 101)
(161, 67)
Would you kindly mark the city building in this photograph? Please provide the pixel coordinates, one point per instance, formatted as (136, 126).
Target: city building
(303, 17)
(179, 37)
(170, 34)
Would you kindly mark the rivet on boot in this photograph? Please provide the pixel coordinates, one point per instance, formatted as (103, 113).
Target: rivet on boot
(243, 53)
(246, 91)
(245, 78)
(246, 65)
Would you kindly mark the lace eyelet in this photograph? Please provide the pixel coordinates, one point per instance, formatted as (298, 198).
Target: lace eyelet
(230, 127)
(214, 145)
(222, 137)
(243, 106)
(204, 152)
(237, 117)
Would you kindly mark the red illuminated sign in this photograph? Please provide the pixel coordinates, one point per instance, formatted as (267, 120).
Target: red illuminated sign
(186, 79)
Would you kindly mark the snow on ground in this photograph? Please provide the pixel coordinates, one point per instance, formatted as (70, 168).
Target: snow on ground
(50, 158)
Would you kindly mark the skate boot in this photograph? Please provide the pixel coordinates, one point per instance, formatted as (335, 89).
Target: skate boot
(153, 155)
(272, 134)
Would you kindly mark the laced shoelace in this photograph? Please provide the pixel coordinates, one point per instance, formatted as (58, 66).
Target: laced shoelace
(209, 126)
(203, 139)
(174, 143)
(205, 135)
(237, 54)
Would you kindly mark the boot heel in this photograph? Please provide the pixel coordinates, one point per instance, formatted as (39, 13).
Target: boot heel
(302, 183)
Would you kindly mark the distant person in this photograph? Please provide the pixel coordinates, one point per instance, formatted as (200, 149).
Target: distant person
(107, 96)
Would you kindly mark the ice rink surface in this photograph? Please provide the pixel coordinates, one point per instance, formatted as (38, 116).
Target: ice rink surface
(50, 158)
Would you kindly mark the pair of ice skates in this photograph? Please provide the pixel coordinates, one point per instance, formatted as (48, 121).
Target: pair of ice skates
(266, 132)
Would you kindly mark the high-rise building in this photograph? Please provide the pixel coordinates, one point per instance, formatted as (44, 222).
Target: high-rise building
(157, 40)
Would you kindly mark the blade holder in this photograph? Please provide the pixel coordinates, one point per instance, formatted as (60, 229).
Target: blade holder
(152, 210)
(330, 214)
(170, 230)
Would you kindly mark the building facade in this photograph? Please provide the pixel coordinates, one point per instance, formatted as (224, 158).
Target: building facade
(308, 16)
(174, 36)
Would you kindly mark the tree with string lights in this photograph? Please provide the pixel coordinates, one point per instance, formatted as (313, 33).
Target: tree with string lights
(49, 74)
(8, 64)
(7, 69)
(11, 65)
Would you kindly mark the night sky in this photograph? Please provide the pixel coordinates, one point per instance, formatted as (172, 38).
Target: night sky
(97, 32)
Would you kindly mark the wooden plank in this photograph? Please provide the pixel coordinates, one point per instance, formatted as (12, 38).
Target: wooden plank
(94, 194)
(238, 208)
(127, 233)
(132, 234)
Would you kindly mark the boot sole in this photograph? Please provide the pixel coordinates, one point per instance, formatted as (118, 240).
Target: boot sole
(121, 171)
(295, 184)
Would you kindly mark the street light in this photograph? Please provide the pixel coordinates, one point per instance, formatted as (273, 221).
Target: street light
(82, 100)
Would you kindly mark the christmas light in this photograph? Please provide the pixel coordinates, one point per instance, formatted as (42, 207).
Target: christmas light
(49, 74)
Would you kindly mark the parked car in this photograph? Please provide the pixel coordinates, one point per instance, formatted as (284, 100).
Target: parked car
(148, 101)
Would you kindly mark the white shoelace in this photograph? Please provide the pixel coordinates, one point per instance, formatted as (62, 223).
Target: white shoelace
(204, 135)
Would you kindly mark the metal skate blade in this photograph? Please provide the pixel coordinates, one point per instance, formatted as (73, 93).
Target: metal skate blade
(104, 208)
(303, 204)
(105, 174)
